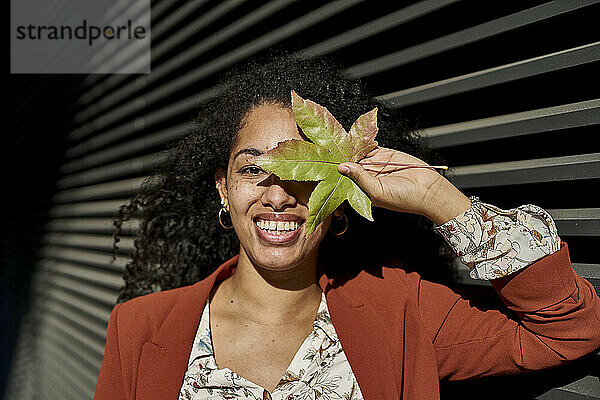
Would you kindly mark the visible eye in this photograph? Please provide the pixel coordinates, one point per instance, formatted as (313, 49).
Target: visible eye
(251, 170)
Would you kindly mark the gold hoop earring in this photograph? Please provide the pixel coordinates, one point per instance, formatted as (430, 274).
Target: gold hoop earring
(223, 209)
(345, 227)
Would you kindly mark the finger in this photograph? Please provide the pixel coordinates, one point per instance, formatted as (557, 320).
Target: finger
(373, 152)
(358, 174)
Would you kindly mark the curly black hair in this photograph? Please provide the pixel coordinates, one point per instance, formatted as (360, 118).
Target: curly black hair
(180, 241)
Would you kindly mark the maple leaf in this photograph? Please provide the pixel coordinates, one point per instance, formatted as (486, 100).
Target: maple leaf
(318, 159)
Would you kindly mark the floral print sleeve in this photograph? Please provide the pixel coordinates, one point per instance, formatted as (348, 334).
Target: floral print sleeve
(494, 243)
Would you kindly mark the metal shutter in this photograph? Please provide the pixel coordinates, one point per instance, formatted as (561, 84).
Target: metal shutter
(506, 91)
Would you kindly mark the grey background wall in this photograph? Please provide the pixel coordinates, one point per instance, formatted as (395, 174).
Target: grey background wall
(506, 91)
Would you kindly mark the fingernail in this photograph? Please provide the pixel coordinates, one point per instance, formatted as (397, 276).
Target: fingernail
(344, 169)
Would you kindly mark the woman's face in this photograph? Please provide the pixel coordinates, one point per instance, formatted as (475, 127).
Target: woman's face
(268, 214)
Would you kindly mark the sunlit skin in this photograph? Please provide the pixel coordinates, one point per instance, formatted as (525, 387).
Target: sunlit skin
(248, 192)
(273, 296)
(261, 314)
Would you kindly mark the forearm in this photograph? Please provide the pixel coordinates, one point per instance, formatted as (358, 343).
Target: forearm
(444, 201)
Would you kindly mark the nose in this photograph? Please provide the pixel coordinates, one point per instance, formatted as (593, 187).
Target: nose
(278, 194)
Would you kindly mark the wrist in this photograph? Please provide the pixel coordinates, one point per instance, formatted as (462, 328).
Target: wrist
(445, 202)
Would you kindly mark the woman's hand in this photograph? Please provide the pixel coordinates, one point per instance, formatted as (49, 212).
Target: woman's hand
(405, 189)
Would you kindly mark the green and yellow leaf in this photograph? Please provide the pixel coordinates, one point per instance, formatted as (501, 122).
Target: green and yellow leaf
(317, 160)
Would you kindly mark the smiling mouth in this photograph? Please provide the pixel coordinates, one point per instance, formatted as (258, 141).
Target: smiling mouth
(278, 228)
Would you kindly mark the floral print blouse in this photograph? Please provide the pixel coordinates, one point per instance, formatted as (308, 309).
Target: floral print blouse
(319, 370)
(490, 241)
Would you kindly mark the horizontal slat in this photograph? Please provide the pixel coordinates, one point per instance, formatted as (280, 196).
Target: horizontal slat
(577, 221)
(375, 27)
(75, 349)
(252, 47)
(125, 187)
(591, 272)
(575, 214)
(105, 297)
(152, 118)
(97, 259)
(75, 367)
(466, 36)
(92, 309)
(87, 326)
(90, 225)
(586, 388)
(528, 122)
(158, 9)
(105, 208)
(558, 117)
(113, 281)
(87, 241)
(95, 82)
(585, 166)
(175, 17)
(144, 143)
(139, 165)
(588, 271)
(130, 56)
(129, 126)
(185, 31)
(108, 97)
(215, 65)
(493, 76)
(64, 327)
(52, 390)
(57, 382)
(337, 42)
(360, 33)
(55, 13)
(105, 89)
(62, 376)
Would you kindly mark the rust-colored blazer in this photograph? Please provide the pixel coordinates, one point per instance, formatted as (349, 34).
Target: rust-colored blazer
(400, 334)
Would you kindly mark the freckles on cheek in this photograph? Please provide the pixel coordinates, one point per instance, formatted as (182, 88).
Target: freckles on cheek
(243, 194)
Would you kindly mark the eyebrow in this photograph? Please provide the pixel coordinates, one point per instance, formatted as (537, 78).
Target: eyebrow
(249, 150)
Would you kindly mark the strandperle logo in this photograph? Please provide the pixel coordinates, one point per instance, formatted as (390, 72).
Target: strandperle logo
(80, 36)
(84, 31)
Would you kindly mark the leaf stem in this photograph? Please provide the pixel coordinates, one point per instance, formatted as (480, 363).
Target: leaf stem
(368, 163)
(407, 165)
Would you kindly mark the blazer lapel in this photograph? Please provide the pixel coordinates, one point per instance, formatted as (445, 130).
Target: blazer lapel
(164, 357)
(363, 340)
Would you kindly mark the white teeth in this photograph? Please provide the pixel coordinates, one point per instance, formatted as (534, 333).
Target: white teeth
(277, 227)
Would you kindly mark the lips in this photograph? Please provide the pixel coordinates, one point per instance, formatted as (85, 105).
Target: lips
(278, 228)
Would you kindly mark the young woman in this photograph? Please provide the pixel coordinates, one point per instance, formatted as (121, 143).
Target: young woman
(329, 315)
